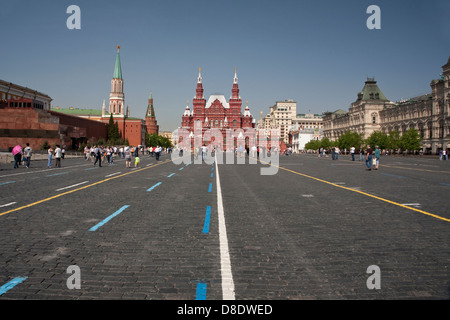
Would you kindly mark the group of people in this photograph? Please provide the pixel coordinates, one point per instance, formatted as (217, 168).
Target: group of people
(22, 156)
(98, 154)
(58, 153)
(372, 157)
(366, 154)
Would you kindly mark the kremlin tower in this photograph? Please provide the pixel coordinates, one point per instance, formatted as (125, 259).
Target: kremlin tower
(150, 118)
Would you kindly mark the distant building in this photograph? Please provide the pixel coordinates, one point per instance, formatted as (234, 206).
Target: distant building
(281, 117)
(428, 114)
(26, 117)
(217, 112)
(363, 115)
(300, 137)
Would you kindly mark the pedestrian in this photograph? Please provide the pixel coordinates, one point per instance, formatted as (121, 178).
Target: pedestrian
(63, 152)
(204, 151)
(27, 154)
(86, 152)
(17, 157)
(369, 152)
(50, 154)
(136, 161)
(377, 157)
(98, 156)
(361, 153)
(444, 154)
(352, 153)
(108, 154)
(58, 155)
(127, 155)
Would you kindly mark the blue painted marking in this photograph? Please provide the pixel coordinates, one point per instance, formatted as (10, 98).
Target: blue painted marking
(210, 187)
(11, 284)
(212, 169)
(57, 174)
(445, 184)
(212, 174)
(91, 168)
(150, 189)
(181, 168)
(392, 175)
(98, 225)
(6, 182)
(170, 175)
(201, 291)
(207, 218)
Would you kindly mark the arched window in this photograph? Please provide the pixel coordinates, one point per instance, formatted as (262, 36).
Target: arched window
(234, 123)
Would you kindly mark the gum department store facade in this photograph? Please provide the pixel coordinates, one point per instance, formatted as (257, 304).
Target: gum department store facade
(372, 111)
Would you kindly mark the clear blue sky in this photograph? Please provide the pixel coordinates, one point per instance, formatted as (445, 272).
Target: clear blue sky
(318, 53)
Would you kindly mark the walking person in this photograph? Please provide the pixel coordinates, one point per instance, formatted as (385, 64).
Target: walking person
(17, 152)
(361, 153)
(58, 155)
(377, 157)
(136, 161)
(127, 154)
(369, 157)
(27, 154)
(98, 156)
(50, 155)
(352, 152)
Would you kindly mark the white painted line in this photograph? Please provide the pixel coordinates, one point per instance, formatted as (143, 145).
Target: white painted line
(307, 195)
(8, 204)
(74, 185)
(225, 261)
(112, 174)
(411, 204)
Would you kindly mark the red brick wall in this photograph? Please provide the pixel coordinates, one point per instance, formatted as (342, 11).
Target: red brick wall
(19, 126)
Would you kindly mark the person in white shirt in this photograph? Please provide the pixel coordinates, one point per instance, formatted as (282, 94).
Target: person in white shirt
(204, 151)
(58, 155)
(352, 152)
(27, 154)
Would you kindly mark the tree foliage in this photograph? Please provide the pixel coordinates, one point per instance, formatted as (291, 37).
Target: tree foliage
(154, 140)
(114, 137)
(410, 140)
(378, 138)
(350, 139)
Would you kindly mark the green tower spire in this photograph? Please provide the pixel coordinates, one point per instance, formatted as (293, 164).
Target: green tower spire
(150, 109)
(117, 68)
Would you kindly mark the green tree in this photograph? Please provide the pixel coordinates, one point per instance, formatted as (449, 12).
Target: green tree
(393, 140)
(325, 142)
(349, 139)
(378, 138)
(114, 137)
(154, 140)
(312, 145)
(410, 140)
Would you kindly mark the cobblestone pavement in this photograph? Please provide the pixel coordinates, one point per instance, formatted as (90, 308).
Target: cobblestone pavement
(318, 229)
